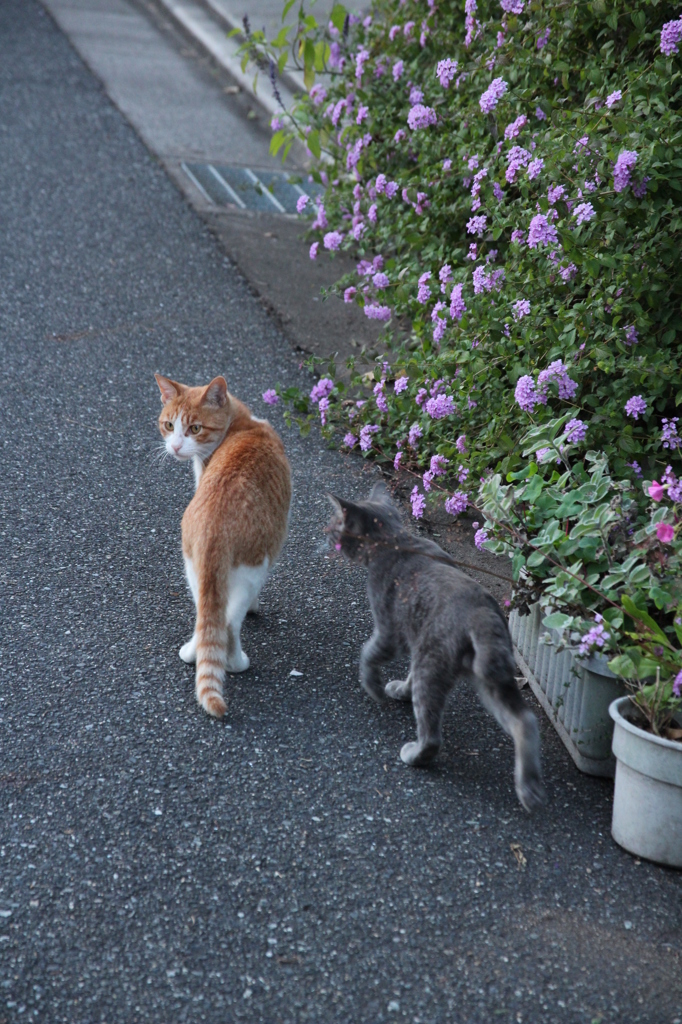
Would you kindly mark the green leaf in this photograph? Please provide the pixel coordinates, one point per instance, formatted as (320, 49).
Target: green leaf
(623, 666)
(313, 142)
(537, 558)
(277, 141)
(287, 7)
(338, 16)
(557, 620)
(636, 613)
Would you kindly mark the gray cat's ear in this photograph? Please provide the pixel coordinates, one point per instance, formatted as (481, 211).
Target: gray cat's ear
(334, 501)
(216, 393)
(343, 505)
(380, 492)
(169, 389)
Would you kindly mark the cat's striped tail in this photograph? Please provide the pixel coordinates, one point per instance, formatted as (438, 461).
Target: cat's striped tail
(212, 639)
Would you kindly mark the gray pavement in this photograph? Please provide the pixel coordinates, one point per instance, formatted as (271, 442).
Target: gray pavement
(284, 866)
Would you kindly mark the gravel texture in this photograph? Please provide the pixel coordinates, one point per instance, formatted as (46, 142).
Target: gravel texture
(283, 866)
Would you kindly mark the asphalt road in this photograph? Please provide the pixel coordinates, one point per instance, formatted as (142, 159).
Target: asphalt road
(283, 866)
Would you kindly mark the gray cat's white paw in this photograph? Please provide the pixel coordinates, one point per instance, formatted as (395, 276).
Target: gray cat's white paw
(417, 756)
(188, 651)
(238, 663)
(399, 689)
(532, 794)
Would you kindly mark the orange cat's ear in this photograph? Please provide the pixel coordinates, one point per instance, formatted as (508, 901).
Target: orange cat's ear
(216, 393)
(169, 388)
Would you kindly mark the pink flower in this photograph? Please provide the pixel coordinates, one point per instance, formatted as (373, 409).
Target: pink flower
(665, 533)
(656, 491)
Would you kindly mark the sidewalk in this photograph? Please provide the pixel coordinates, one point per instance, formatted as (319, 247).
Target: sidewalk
(283, 867)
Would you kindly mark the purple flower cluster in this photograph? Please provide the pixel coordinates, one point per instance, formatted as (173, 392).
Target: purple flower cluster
(446, 71)
(457, 503)
(476, 226)
(492, 95)
(349, 294)
(480, 537)
(301, 203)
(543, 38)
(460, 444)
(270, 397)
(401, 384)
(424, 290)
(525, 394)
(622, 170)
(378, 312)
(613, 98)
(350, 440)
(418, 503)
(517, 157)
(669, 436)
(380, 281)
(440, 406)
(332, 240)
(414, 434)
(380, 396)
(557, 372)
(584, 212)
(635, 406)
(541, 232)
(366, 436)
(518, 236)
(568, 272)
(397, 69)
(520, 308)
(439, 322)
(487, 282)
(630, 334)
(444, 276)
(513, 129)
(322, 389)
(421, 117)
(596, 636)
(554, 193)
(534, 167)
(457, 305)
(512, 6)
(575, 431)
(361, 58)
(671, 36)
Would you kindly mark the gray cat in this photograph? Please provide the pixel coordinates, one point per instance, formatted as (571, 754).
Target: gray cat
(451, 626)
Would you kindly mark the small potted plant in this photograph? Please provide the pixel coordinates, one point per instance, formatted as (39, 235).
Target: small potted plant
(647, 738)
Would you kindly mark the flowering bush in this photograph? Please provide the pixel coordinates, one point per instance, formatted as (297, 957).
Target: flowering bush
(509, 177)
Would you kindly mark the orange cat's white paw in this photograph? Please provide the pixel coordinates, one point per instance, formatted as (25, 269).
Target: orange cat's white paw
(188, 651)
(238, 662)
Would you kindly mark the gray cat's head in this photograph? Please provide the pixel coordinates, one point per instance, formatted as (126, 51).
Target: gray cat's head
(364, 528)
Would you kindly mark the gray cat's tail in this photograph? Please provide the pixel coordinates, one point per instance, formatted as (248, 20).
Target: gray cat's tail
(494, 671)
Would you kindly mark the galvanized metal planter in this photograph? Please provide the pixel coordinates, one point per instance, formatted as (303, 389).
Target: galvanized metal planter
(574, 692)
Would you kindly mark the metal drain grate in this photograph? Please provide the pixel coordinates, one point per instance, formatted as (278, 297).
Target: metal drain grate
(264, 191)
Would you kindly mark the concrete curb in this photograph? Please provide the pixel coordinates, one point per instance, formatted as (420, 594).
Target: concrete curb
(207, 26)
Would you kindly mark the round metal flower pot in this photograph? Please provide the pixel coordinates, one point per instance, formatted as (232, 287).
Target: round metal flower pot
(647, 799)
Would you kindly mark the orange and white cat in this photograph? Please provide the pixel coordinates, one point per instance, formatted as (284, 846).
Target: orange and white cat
(235, 525)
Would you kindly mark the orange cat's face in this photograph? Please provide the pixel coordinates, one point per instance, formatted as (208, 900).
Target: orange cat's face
(193, 421)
